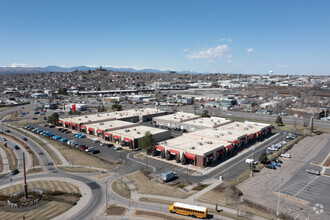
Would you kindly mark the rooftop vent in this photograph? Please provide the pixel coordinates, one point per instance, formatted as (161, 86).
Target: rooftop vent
(229, 132)
(216, 136)
(209, 142)
(138, 132)
(134, 129)
(199, 143)
(89, 120)
(192, 147)
(107, 114)
(79, 119)
(101, 123)
(86, 116)
(237, 125)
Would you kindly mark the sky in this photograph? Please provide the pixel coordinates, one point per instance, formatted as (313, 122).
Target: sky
(226, 36)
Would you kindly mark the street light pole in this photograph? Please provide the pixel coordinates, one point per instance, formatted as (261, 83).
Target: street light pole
(252, 163)
(279, 198)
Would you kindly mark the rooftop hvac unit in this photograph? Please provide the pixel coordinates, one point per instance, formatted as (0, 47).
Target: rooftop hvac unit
(138, 132)
(98, 115)
(246, 129)
(134, 129)
(221, 134)
(110, 125)
(70, 116)
(211, 120)
(199, 143)
(107, 114)
(174, 117)
(86, 116)
(89, 120)
(127, 130)
(188, 116)
(79, 119)
(101, 123)
(192, 147)
(249, 126)
(237, 125)
(229, 132)
(209, 142)
(216, 136)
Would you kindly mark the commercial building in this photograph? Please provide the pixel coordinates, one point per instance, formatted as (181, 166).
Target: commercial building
(131, 137)
(197, 150)
(133, 115)
(205, 146)
(174, 120)
(202, 123)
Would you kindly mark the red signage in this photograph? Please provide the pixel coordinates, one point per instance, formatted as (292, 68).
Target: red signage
(74, 107)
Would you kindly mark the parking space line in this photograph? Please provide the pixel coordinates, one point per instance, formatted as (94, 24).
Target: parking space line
(305, 186)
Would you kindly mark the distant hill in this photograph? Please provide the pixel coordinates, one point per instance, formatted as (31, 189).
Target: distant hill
(14, 70)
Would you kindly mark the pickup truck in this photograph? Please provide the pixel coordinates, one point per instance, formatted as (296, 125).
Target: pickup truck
(315, 172)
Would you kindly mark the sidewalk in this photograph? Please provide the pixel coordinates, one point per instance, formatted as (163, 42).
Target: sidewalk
(60, 156)
(5, 164)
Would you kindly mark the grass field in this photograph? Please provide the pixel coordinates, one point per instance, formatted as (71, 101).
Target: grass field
(77, 157)
(12, 160)
(121, 188)
(43, 210)
(158, 215)
(153, 200)
(77, 169)
(145, 186)
(23, 123)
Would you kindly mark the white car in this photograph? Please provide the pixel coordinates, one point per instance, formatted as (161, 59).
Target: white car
(251, 161)
(286, 155)
(118, 148)
(4, 139)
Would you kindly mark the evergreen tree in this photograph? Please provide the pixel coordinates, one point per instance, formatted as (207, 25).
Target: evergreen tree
(162, 154)
(183, 159)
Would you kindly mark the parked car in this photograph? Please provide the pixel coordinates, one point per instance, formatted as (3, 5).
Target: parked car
(271, 167)
(278, 160)
(315, 172)
(52, 126)
(82, 136)
(83, 147)
(89, 149)
(14, 172)
(64, 140)
(95, 151)
(286, 155)
(16, 147)
(3, 139)
(25, 139)
(36, 113)
(275, 164)
(78, 134)
(268, 151)
(67, 131)
(8, 131)
(118, 148)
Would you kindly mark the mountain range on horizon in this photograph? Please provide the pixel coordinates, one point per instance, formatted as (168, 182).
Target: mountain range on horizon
(47, 69)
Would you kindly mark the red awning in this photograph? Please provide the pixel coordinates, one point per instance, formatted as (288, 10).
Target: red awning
(91, 129)
(259, 133)
(190, 156)
(127, 140)
(236, 142)
(243, 138)
(263, 130)
(116, 137)
(99, 131)
(107, 135)
(174, 152)
(83, 127)
(220, 151)
(159, 148)
(229, 147)
(60, 121)
(210, 156)
(73, 124)
(66, 123)
(250, 135)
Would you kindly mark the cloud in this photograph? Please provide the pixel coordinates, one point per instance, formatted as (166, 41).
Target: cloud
(285, 66)
(220, 51)
(249, 50)
(19, 65)
(210, 61)
(186, 50)
(226, 39)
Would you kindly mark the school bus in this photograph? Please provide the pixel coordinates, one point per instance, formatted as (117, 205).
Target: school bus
(189, 210)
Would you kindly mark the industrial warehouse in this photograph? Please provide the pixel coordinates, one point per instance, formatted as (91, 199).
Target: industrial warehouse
(204, 139)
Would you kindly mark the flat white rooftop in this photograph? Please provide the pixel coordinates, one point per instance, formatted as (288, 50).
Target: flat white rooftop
(211, 122)
(195, 145)
(177, 117)
(110, 125)
(137, 132)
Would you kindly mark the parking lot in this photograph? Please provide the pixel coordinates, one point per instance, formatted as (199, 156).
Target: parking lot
(300, 190)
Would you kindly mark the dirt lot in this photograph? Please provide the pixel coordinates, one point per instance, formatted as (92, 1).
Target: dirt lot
(146, 186)
(121, 188)
(115, 210)
(262, 187)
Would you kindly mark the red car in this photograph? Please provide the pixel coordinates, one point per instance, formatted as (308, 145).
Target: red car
(83, 147)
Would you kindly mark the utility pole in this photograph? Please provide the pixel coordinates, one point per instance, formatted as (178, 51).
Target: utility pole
(252, 162)
(187, 173)
(279, 198)
(24, 175)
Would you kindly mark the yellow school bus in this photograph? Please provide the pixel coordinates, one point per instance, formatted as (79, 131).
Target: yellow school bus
(189, 210)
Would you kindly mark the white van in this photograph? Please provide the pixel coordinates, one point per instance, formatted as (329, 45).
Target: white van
(251, 161)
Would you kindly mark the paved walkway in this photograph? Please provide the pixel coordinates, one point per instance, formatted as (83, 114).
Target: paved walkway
(5, 165)
(59, 155)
